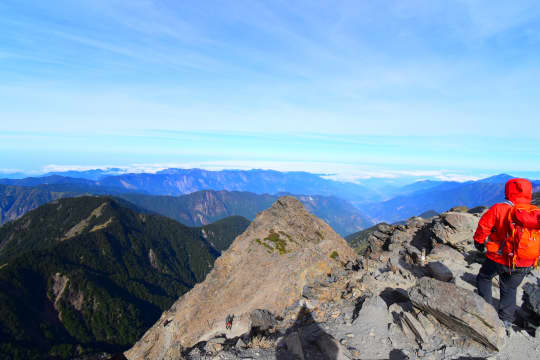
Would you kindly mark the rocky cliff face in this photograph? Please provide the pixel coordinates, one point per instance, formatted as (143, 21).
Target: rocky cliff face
(284, 250)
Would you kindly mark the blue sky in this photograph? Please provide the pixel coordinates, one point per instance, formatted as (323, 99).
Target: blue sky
(359, 88)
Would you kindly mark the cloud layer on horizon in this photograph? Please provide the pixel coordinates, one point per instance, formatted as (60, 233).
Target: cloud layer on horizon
(338, 172)
(344, 157)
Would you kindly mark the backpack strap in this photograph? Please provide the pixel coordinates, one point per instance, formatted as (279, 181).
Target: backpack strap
(512, 231)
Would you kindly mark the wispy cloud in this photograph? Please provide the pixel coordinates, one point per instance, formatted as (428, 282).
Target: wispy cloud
(10, 171)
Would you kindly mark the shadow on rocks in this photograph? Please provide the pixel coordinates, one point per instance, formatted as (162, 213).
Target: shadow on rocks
(306, 339)
(421, 241)
(394, 295)
(397, 355)
(469, 278)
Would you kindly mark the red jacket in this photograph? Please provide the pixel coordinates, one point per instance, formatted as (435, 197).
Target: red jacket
(493, 223)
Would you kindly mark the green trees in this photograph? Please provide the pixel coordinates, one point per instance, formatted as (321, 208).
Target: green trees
(66, 292)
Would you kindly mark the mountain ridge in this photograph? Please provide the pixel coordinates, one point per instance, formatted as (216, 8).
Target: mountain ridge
(283, 249)
(441, 198)
(195, 209)
(413, 199)
(86, 274)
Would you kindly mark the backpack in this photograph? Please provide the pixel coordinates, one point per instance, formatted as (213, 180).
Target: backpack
(523, 240)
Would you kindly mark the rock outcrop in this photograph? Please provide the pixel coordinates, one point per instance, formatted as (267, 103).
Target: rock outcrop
(454, 228)
(460, 310)
(283, 250)
(532, 299)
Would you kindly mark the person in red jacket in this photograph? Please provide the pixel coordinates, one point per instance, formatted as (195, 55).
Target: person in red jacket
(494, 227)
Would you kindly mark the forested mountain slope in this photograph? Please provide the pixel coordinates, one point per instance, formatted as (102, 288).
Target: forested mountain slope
(87, 274)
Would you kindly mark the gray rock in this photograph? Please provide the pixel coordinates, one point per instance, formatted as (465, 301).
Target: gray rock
(195, 352)
(444, 252)
(240, 344)
(454, 228)
(461, 310)
(385, 228)
(429, 326)
(399, 237)
(415, 222)
(262, 319)
(212, 348)
(373, 317)
(380, 235)
(461, 209)
(532, 298)
(439, 271)
(477, 210)
(307, 292)
(415, 326)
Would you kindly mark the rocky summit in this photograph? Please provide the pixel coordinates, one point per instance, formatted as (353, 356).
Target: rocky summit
(290, 288)
(284, 251)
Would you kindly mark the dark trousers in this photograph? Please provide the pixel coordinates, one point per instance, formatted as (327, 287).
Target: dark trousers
(508, 284)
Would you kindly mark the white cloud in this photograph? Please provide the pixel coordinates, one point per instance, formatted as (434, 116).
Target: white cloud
(10, 171)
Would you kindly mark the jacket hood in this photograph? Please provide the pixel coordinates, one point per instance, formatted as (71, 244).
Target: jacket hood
(518, 191)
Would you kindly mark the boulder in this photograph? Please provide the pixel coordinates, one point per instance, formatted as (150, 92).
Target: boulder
(532, 298)
(262, 319)
(444, 253)
(439, 271)
(373, 317)
(460, 310)
(455, 229)
(380, 235)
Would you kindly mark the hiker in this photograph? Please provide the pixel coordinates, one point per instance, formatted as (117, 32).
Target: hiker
(229, 321)
(502, 256)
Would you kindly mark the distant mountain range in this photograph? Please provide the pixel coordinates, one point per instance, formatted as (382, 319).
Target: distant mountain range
(176, 182)
(87, 274)
(184, 181)
(17, 200)
(400, 204)
(441, 197)
(195, 209)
